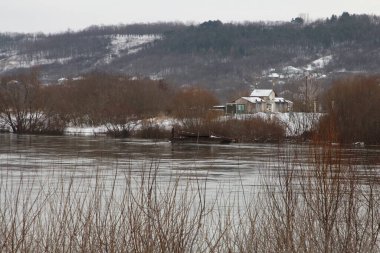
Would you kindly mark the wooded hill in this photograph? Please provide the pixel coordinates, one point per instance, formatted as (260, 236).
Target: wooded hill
(225, 57)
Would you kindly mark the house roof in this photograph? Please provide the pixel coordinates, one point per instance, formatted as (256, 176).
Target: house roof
(261, 93)
(289, 102)
(279, 100)
(282, 100)
(253, 100)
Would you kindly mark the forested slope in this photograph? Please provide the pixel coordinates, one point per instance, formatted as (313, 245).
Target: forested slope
(223, 57)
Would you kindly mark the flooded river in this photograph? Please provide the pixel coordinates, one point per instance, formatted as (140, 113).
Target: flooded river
(32, 156)
(66, 189)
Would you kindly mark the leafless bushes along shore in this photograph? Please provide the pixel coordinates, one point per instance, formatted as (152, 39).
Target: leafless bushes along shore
(326, 204)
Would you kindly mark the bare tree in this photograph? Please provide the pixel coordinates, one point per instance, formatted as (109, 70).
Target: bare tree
(24, 104)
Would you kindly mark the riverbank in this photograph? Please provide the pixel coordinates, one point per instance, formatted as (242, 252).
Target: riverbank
(250, 128)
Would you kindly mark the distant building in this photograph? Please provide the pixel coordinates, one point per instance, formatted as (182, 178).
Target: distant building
(260, 100)
(62, 80)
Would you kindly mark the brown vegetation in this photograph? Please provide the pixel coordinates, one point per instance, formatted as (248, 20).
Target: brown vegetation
(27, 107)
(242, 130)
(118, 102)
(193, 103)
(97, 99)
(353, 111)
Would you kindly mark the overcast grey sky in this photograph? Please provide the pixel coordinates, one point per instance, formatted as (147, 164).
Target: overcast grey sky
(60, 15)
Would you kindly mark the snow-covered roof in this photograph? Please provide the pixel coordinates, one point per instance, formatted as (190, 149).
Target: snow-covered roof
(11, 82)
(261, 93)
(78, 78)
(62, 80)
(253, 99)
(282, 100)
(279, 100)
(292, 70)
(274, 75)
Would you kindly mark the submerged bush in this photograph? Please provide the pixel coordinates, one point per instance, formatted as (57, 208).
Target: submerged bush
(245, 130)
(153, 132)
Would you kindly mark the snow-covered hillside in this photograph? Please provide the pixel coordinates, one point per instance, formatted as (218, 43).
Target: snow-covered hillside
(222, 57)
(16, 61)
(127, 45)
(319, 63)
(119, 45)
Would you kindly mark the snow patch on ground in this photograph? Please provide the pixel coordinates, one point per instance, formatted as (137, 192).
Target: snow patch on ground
(275, 75)
(298, 123)
(132, 43)
(86, 131)
(290, 70)
(162, 122)
(319, 63)
(294, 72)
(22, 61)
(165, 123)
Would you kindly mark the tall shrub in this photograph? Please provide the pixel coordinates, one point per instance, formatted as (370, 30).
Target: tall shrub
(353, 111)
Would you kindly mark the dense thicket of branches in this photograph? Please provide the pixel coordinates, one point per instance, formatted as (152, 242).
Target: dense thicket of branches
(117, 102)
(353, 111)
(96, 99)
(27, 107)
(104, 98)
(193, 102)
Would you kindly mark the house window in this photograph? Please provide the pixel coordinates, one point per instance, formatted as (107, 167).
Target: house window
(240, 108)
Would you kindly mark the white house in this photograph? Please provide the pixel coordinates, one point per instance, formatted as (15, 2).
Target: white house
(260, 100)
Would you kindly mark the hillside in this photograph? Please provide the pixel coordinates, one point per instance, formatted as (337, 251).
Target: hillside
(223, 57)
